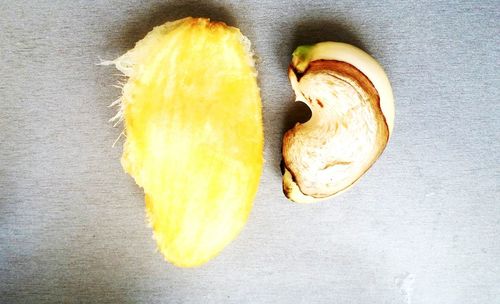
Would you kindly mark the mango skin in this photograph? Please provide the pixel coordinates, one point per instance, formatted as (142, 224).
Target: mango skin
(194, 135)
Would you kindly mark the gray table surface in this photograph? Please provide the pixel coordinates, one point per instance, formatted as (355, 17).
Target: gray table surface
(423, 226)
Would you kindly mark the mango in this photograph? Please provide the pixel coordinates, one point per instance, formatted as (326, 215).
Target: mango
(192, 114)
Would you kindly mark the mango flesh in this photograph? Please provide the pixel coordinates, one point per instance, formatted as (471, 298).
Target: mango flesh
(194, 136)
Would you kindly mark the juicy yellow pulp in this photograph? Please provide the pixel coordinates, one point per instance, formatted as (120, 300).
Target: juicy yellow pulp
(194, 137)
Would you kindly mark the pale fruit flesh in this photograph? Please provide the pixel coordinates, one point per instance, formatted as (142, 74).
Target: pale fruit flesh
(352, 117)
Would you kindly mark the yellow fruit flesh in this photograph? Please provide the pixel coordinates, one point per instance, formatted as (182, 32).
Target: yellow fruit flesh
(194, 135)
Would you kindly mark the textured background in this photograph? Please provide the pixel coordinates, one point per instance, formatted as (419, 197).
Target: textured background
(423, 226)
